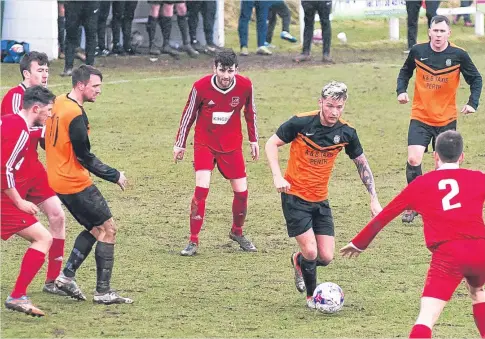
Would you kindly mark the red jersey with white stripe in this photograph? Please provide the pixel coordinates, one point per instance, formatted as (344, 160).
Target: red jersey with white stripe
(450, 200)
(15, 142)
(217, 113)
(12, 104)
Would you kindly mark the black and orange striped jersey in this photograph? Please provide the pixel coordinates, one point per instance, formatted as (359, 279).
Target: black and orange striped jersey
(313, 151)
(68, 150)
(437, 81)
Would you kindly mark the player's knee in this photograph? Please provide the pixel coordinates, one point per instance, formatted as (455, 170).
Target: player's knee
(325, 259)
(414, 160)
(110, 229)
(309, 252)
(57, 217)
(181, 10)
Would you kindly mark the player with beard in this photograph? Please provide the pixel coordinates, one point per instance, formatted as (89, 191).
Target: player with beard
(215, 103)
(34, 68)
(18, 212)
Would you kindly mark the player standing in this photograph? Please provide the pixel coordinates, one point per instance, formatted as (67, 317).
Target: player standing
(34, 68)
(438, 64)
(451, 201)
(316, 139)
(216, 101)
(18, 212)
(69, 164)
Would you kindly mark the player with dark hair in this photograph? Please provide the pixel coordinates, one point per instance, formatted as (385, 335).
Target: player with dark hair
(69, 164)
(438, 65)
(451, 202)
(32, 176)
(18, 208)
(316, 139)
(215, 102)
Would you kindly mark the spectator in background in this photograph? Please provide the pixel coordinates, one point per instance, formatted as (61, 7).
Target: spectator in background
(80, 13)
(61, 28)
(208, 10)
(61, 34)
(123, 15)
(104, 8)
(466, 17)
(323, 8)
(262, 9)
(279, 8)
(153, 18)
(413, 7)
(165, 22)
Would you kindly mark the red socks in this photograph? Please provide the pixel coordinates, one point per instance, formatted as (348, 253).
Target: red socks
(56, 254)
(31, 264)
(239, 210)
(197, 212)
(479, 315)
(420, 331)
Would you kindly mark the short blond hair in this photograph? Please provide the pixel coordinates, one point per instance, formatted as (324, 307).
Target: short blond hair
(336, 90)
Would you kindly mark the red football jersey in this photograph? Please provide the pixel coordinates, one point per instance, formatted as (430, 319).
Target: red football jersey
(218, 114)
(450, 200)
(15, 137)
(12, 104)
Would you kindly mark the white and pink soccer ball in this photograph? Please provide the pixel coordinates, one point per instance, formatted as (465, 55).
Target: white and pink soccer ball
(328, 297)
(317, 36)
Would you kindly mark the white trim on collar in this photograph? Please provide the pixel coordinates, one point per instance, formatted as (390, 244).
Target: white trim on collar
(449, 165)
(223, 91)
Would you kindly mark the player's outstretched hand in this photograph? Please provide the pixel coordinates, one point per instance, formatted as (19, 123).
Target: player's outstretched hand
(467, 109)
(349, 251)
(375, 207)
(178, 154)
(281, 184)
(403, 98)
(254, 150)
(122, 181)
(28, 207)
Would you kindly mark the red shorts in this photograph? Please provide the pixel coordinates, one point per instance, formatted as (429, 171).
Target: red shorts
(231, 164)
(450, 263)
(35, 190)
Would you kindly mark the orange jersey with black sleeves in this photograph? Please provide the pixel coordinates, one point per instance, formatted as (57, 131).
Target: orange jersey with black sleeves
(68, 150)
(313, 151)
(437, 81)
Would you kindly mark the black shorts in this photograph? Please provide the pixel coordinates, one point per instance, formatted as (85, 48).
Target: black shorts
(88, 207)
(301, 215)
(422, 134)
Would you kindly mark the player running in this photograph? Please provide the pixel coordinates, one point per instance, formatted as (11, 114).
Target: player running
(34, 68)
(316, 139)
(18, 208)
(215, 102)
(438, 64)
(451, 201)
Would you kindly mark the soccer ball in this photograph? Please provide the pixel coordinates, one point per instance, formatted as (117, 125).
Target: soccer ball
(328, 297)
(317, 36)
(136, 39)
(17, 48)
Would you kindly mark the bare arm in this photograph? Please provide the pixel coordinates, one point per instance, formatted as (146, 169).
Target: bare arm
(367, 178)
(365, 174)
(271, 149)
